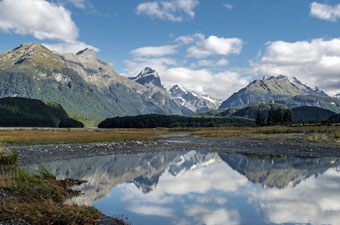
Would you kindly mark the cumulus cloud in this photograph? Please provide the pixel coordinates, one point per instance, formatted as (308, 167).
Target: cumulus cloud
(204, 81)
(315, 62)
(210, 63)
(168, 10)
(324, 11)
(38, 18)
(72, 47)
(155, 51)
(214, 45)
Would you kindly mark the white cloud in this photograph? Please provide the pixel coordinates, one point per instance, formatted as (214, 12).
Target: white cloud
(324, 11)
(152, 210)
(315, 62)
(73, 47)
(227, 6)
(210, 63)
(220, 85)
(78, 3)
(168, 10)
(204, 81)
(214, 45)
(38, 18)
(155, 51)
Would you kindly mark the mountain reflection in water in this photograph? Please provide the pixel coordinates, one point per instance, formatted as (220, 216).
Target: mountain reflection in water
(198, 187)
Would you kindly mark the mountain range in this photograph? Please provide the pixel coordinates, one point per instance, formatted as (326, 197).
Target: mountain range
(189, 101)
(84, 84)
(80, 82)
(281, 90)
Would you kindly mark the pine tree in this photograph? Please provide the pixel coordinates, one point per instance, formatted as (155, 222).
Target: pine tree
(260, 119)
(288, 117)
(270, 119)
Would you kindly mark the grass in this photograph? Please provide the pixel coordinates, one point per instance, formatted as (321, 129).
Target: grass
(324, 134)
(39, 199)
(61, 136)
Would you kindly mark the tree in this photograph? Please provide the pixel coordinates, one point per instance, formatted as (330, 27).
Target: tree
(260, 119)
(288, 117)
(270, 119)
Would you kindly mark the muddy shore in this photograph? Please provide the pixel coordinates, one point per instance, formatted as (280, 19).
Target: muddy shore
(172, 142)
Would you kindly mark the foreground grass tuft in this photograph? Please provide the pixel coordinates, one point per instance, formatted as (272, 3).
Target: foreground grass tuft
(38, 199)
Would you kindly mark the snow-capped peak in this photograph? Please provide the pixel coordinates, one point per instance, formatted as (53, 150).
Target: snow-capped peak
(337, 96)
(192, 100)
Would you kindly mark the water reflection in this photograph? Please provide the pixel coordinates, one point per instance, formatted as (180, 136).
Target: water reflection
(199, 187)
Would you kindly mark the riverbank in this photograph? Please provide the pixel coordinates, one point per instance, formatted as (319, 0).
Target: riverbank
(177, 141)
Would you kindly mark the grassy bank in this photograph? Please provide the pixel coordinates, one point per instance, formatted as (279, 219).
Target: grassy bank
(39, 198)
(324, 134)
(61, 136)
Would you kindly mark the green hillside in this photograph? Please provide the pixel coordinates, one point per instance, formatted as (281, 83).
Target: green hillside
(23, 112)
(310, 114)
(334, 119)
(249, 112)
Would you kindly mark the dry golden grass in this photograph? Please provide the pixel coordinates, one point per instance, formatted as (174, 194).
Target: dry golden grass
(36, 136)
(329, 134)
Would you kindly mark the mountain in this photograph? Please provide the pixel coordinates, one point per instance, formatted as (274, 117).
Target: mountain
(337, 96)
(249, 112)
(280, 89)
(148, 77)
(22, 112)
(80, 82)
(307, 114)
(193, 101)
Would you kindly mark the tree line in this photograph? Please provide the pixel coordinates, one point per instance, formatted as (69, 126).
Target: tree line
(275, 117)
(169, 121)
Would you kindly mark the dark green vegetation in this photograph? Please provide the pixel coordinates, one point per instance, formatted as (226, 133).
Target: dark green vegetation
(22, 112)
(310, 114)
(38, 199)
(249, 112)
(333, 119)
(70, 123)
(155, 120)
(303, 114)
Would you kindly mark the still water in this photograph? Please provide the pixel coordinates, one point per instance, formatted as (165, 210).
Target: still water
(198, 187)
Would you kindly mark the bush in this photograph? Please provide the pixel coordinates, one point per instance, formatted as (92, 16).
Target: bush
(70, 123)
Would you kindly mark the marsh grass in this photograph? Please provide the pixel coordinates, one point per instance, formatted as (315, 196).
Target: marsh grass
(325, 134)
(61, 136)
(39, 198)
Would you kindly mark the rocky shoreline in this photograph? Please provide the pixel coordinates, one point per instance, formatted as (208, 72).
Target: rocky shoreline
(34, 154)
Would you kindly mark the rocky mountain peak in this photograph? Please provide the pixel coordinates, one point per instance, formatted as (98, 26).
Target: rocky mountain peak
(192, 100)
(87, 52)
(147, 71)
(30, 55)
(337, 96)
(148, 76)
(271, 89)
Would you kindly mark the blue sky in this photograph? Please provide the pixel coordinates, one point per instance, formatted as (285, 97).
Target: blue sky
(214, 47)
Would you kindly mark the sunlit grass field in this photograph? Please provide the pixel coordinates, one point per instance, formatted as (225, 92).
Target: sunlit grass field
(329, 134)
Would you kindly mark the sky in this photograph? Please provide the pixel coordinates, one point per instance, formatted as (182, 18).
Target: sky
(213, 47)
